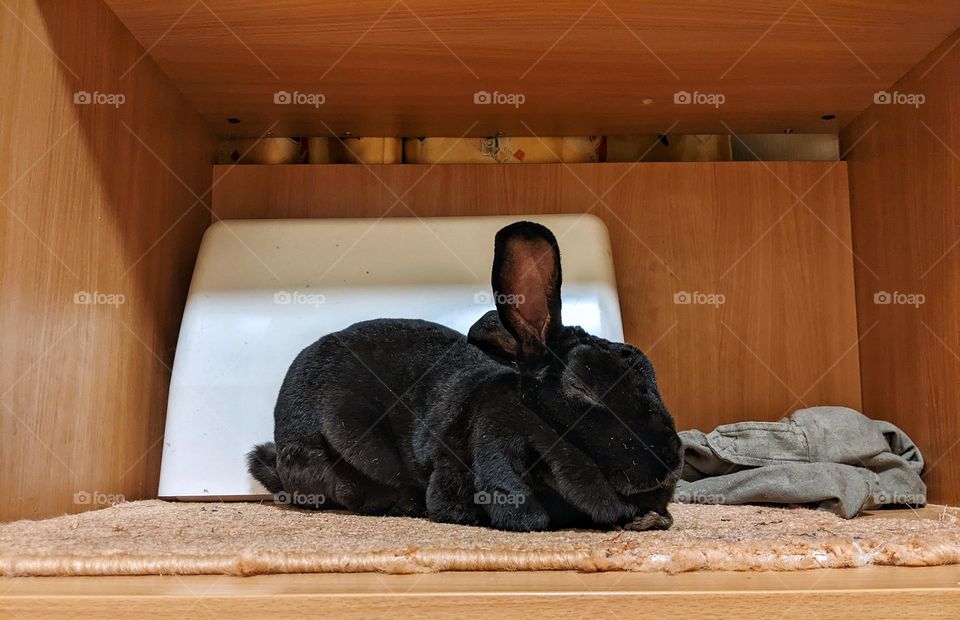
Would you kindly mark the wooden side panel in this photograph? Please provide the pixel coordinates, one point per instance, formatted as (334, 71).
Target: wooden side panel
(769, 323)
(100, 161)
(905, 200)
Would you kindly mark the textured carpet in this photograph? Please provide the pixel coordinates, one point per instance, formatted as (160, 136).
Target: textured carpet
(156, 537)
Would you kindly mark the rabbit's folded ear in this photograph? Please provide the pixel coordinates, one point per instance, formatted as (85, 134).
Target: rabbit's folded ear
(526, 287)
(489, 334)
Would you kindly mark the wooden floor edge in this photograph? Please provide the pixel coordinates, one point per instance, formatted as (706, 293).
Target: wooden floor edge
(834, 604)
(877, 591)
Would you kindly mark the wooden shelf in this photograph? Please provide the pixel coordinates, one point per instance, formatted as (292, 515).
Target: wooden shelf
(412, 68)
(861, 592)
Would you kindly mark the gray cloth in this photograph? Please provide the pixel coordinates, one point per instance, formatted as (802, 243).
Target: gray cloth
(833, 457)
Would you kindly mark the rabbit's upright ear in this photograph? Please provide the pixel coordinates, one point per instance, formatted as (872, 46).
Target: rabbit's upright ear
(526, 287)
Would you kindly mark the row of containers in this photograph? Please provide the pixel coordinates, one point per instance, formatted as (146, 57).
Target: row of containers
(496, 150)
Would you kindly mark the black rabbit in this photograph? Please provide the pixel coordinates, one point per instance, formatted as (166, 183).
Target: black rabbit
(527, 424)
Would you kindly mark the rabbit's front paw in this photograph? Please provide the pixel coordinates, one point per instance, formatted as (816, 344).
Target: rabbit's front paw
(609, 513)
(650, 521)
(530, 519)
(409, 503)
(453, 512)
(448, 497)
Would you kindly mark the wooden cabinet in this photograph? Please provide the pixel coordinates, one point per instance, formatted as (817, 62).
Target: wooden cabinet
(841, 279)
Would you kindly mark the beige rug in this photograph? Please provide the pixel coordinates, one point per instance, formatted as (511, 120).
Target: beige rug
(156, 537)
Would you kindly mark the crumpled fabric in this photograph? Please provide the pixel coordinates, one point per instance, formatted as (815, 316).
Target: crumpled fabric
(833, 458)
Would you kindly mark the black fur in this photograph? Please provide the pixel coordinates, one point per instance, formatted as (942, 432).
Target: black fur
(262, 465)
(526, 425)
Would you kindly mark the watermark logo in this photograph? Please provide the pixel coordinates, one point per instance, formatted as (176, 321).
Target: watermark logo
(82, 97)
(484, 498)
(299, 298)
(482, 97)
(883, 97)
(900, 499)
(696, 298)
(683, 97)
(299, 499)
(686, 497)
(284, 97)
(484, 298)
(96, 498)
(896, 298)
(96, 298)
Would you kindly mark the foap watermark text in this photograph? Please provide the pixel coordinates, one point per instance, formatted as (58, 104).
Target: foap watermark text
(484, 298)
(96, 498)
(485, 498)
(298, 298)
(82, 97)
(97, 298)
(300, 499)
(896, 298)
(683, 97)
(697, 298)
(883, 97)
(688, 497)
(483, 97)
(284, 97)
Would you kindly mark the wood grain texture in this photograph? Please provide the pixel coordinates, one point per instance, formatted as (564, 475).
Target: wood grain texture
(933, 592)
(785, 335)
(905, 200)
(411, 67)
(93, 199)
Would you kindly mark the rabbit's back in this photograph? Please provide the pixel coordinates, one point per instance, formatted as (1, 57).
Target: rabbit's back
(368, 363)
(364, 391)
